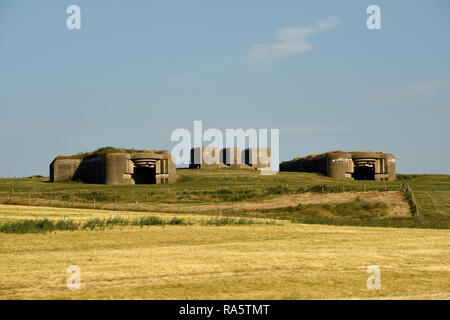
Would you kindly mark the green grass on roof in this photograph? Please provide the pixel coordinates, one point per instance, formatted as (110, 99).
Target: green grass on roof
(105, 150)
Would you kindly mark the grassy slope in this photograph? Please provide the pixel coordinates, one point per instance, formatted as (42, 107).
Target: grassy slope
(197, 187)
(190, 181)
(433, 196)
(289, 261)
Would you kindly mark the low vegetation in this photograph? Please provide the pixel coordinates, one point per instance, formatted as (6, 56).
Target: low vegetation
(197, 188)
(355, 213)
(46, 225)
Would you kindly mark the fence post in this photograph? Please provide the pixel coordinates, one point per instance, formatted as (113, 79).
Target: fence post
(94, 202)
(73, 201)
(51, 201)
(415, 204)
(29, 200)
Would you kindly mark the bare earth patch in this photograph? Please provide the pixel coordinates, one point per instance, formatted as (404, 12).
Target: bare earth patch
(394, 199)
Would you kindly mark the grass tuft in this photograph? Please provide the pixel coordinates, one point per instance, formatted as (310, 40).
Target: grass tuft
(47, 225)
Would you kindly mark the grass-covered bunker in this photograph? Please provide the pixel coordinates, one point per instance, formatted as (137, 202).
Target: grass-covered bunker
(354, 165)
(115, 166)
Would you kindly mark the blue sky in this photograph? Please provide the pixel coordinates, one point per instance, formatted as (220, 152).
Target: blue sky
(137, 70)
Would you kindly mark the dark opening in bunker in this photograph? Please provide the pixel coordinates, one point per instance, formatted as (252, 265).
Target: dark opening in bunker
(145, 175)
(364, 173)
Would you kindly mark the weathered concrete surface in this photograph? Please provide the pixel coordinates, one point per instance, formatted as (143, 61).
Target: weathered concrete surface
(257, 158)
(231, 156)
(117, 168)
(206, 158)
(354, 165)
(63, 169)
(211, 158)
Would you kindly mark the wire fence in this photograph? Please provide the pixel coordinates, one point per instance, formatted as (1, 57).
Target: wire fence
(411, 200)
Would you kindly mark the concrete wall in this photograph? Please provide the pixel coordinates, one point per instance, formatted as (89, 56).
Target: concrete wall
(211, 158)
(63, 169)
(390, 166)
(231, 156)
(119, 168)
(340, 165)
(307, 164)
(257, 158)
(205, 158)
(91, 170)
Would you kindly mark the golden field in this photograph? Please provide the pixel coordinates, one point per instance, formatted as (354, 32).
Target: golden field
(281, 261)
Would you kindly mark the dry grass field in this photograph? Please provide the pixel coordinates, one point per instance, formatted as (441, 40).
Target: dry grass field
(281, 261)
(225, 234)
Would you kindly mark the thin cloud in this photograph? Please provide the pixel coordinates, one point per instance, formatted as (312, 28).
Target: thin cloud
(418, 90)
(290, 41)
(422, 89)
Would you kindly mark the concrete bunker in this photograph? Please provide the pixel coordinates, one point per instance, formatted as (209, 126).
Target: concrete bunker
(354, 165)
(125, 167)
(211, 158)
